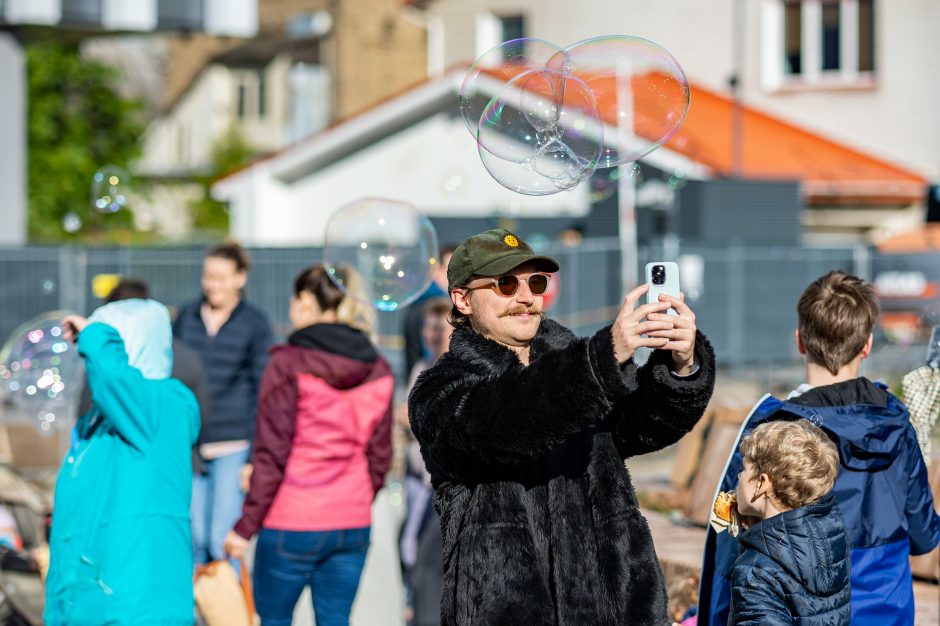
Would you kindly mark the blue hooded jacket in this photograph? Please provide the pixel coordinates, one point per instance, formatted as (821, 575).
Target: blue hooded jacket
(794, 568)
(882, 490)
(121, 548)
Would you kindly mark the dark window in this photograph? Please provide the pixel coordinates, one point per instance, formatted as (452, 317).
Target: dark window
(83, 12)
(512, 27)
(866, 36)
(793, 37)
(179, 14)
(831, 35)
(262, 93)
(242, 100)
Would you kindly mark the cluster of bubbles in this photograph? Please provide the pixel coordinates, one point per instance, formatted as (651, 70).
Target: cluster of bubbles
(110, 186)
(40, 374)
(545, 118)
(387, 246)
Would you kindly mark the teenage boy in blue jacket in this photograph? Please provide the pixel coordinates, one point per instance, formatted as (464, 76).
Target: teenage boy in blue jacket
(882, 488)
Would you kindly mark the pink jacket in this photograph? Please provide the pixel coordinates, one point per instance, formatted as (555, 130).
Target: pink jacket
(323, 436)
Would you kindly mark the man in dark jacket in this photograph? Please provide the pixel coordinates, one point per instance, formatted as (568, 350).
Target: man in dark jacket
(231, 337)
(794, 562)
(524, 428)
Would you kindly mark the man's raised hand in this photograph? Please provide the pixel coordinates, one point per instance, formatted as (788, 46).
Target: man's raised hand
(634, 326)
(680, 339)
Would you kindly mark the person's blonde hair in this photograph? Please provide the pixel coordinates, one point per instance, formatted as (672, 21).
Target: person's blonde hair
(349, 301)
(836, 314)
(801, 461)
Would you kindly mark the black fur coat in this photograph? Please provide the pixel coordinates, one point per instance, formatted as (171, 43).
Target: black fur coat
(540, 521)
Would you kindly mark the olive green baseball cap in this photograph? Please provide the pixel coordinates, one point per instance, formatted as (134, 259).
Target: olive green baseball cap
(492, 253)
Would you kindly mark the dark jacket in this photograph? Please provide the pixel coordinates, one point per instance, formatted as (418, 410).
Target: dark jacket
(323, 442)
(882, 490)
(794, 568)
(233, 360)
(412, 327)
(187, 368)
(539, 519)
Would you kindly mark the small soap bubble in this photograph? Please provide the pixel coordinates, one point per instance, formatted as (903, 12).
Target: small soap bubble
(109, 189)
(71, 222)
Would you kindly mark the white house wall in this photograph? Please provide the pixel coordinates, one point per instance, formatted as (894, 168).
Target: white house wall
(433, 165)
(895, 120)
(198, 119)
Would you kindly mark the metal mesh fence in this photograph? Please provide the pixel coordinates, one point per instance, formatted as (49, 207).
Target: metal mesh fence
(746, 301)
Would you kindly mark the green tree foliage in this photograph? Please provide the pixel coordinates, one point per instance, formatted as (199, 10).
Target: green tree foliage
(230, 152)
(77, 124)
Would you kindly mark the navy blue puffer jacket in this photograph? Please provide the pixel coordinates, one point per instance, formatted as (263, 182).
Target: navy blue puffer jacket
(794, 569)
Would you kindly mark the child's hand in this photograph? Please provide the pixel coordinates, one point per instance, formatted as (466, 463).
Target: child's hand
(72, 325)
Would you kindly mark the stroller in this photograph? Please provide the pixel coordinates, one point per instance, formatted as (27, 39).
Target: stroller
(25, 514)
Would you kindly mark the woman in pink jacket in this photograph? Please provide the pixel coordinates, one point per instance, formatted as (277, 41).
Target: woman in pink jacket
(321, 451)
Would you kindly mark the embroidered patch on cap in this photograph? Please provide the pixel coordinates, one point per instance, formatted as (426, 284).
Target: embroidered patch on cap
(511, 241)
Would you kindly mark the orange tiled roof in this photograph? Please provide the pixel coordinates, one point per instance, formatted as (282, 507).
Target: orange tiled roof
(774, 149)
(831, 173)
(923, 239)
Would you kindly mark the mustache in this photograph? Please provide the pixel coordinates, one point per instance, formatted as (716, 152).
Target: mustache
(518, 310)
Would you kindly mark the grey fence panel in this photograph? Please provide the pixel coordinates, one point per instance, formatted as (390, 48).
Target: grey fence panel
(31, 282)
(747, 305)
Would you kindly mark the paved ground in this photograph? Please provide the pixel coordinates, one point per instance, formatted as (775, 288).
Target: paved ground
(379, 601)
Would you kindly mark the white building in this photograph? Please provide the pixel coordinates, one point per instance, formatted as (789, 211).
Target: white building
(412, 148)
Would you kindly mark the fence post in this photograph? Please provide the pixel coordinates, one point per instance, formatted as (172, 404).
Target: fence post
(737, 330)
(861, 262)
(73, 277)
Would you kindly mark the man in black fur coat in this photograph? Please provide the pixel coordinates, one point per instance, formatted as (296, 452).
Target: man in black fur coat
(524, 428)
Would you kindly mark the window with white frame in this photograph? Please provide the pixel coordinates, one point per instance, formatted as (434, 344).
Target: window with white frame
(493, 30)
(250, 94)
(817, 42)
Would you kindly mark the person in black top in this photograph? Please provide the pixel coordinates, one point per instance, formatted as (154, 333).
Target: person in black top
(232, 338)
(187, 367)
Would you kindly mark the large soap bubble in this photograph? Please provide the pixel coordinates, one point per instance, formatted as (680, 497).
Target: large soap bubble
(541, 134)
(41, 374)
(109, 189)
(390, 246)
(556, 114)
(640, 88)
(496, 67)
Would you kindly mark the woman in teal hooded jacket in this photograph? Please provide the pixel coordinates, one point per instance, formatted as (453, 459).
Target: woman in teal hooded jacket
(121, 547)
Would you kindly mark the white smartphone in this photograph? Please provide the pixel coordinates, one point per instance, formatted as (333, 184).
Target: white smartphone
(662, 277)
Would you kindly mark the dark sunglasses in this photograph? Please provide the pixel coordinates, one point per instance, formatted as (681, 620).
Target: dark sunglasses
(508, 284)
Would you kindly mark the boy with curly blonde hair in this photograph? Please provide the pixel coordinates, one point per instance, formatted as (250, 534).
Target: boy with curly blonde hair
(794, 562)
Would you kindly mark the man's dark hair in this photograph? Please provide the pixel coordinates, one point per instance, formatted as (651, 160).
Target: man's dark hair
(128, 289)
(232, 252)
(447, 248)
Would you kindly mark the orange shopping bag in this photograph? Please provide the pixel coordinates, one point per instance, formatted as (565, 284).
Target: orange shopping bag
(223, 599)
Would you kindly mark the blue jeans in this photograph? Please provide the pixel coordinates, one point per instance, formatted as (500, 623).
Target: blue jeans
(216, 505)
(329, 561)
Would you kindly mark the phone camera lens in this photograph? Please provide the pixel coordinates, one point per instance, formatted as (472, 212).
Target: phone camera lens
(659, 274)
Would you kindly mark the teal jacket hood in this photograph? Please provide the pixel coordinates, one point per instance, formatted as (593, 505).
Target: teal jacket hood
(145, 329)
